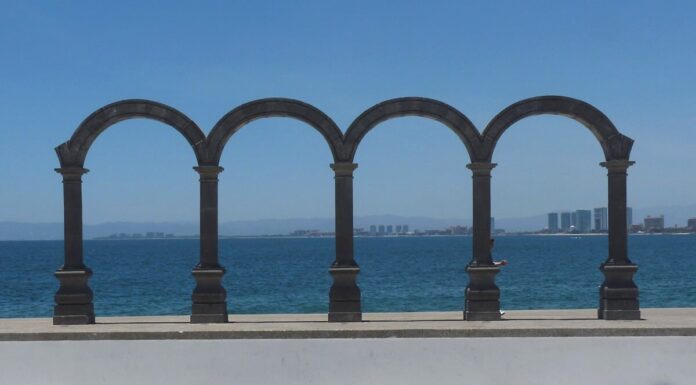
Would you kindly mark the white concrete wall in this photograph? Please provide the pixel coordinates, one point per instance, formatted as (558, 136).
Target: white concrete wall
(480, 361)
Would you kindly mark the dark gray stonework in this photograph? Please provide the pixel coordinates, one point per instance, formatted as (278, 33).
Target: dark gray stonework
(618, 294)
(618, 297)
(74, 151)
(428, 108)
(74, 296)
(234, 120)
(209, 297)
(344, 296)
(614, 145)
(482, 301)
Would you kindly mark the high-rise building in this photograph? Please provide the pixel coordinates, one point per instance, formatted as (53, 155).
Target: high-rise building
(492, 225)
(574, 219)
(565, 221)
(398, 229)
(654, 223)
(381, 230)
(583, 221)
(458, 230)
(629, 217)
(601, 219)
(404, 228)
(373, 230)
(553, 222)
(390, 229)
(691, 223)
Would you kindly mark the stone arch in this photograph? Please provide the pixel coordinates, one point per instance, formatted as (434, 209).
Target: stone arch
(227, 126)
(394, 108)
(412, 106)
(74, 296)
(618, 294)
(73, 152)
(234, 120)
(614, 145)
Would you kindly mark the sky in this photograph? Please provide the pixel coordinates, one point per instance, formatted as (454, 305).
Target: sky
(59, 62)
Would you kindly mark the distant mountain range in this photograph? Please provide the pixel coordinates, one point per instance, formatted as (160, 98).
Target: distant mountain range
(54, 231)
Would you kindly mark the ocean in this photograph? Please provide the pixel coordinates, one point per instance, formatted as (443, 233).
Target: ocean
(290, 275)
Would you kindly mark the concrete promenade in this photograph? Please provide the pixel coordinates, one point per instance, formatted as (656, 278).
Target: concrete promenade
(568, 347)
(528, 323)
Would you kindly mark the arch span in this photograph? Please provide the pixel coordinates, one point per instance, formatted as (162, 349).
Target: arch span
(73, 152)
(234, 120)
(412, 106)
(614, 144)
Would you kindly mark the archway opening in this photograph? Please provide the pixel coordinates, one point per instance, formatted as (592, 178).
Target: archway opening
(413, 186)
(549, 165)
(140, 214)
(276, 218)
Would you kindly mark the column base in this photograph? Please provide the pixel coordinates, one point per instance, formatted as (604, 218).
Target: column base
(209, 297)
(209, 313)
(600, 308)
(73, 314)
(482, 316)
(621, 315)
(345, 311)
(345, 317)
(73, 298)
(618, 295)
(482, 310)
(344, 297)
(482, 301)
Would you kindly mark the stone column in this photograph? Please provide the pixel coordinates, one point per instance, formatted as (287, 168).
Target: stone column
(74, 297)
(618, 295)
(344, 297)
(209, 297)
(482, 301)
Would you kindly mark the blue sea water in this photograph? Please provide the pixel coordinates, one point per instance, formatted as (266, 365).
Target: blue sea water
(290, 275)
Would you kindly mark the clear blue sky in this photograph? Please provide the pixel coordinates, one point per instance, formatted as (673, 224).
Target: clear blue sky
(635, 61)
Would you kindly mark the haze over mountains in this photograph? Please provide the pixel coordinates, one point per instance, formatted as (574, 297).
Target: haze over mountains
(674, 215)
(54, 231)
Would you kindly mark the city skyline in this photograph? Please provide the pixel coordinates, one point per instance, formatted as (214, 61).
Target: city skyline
(596, 220)
(65, 63)
(650, 224)
(54, 231)
(583, 220)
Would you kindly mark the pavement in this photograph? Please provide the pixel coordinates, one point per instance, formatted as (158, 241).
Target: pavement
(515, 323)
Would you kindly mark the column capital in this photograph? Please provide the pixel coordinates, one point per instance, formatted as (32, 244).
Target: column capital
(344, 168)
(617, 165)
(72, 174)
(71, 171)
(209, 170)
(481, 168)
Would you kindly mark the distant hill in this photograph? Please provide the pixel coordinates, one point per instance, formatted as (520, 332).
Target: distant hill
(54, 231)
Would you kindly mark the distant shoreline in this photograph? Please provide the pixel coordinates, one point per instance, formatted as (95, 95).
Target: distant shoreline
(357, 236)
(278, 236)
